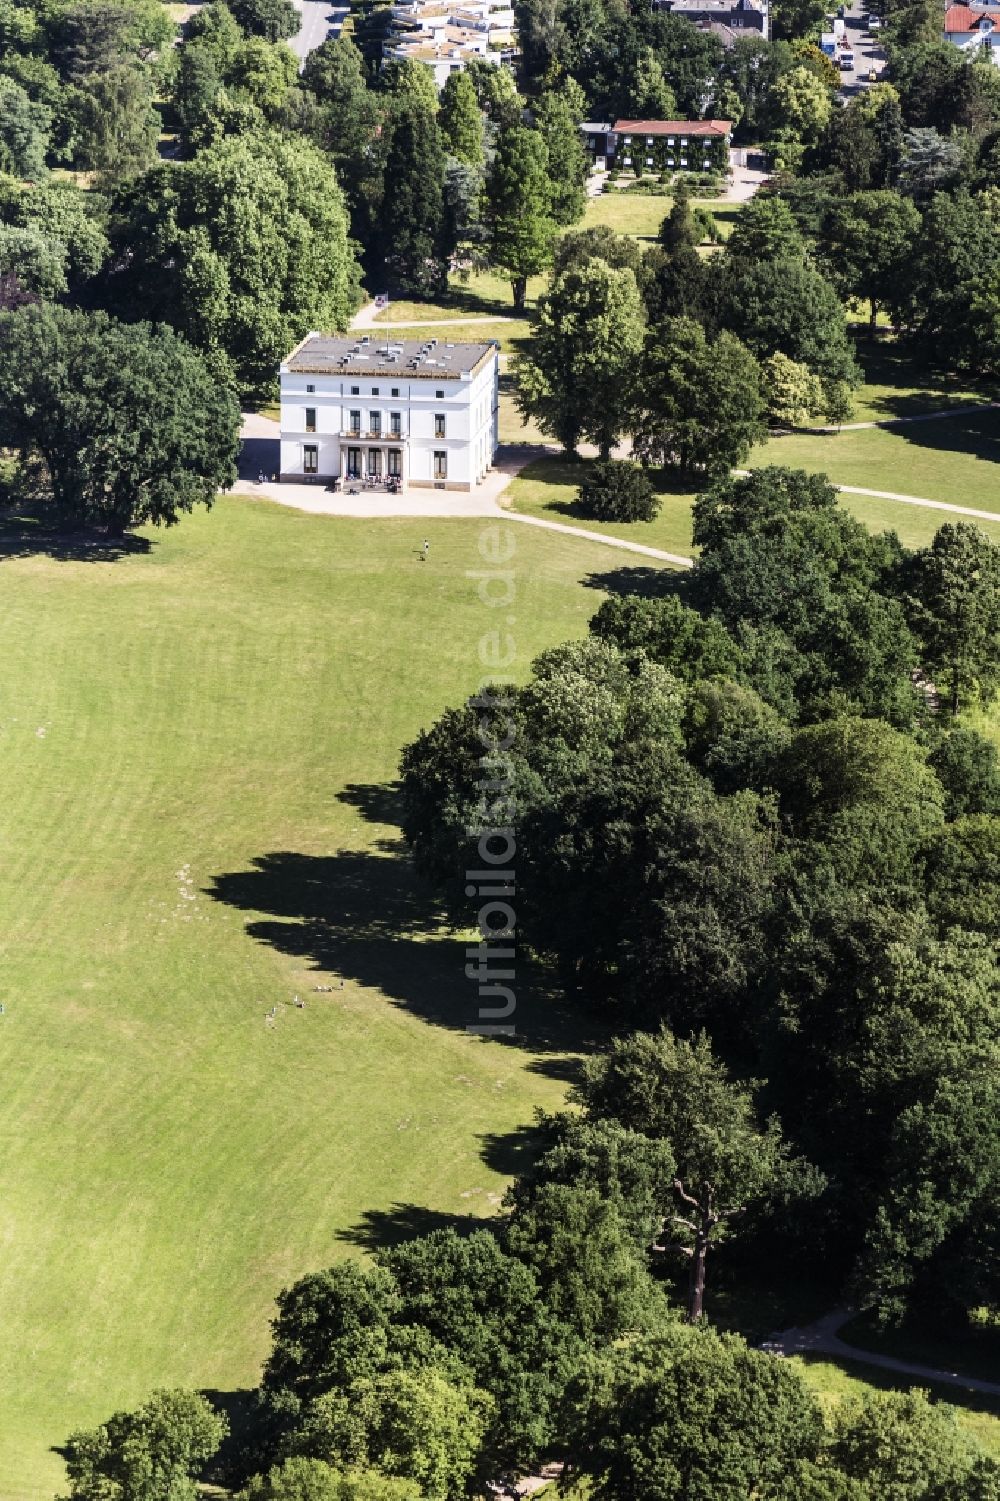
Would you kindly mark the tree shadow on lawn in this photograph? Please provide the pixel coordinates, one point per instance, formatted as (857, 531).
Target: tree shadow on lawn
(886, 363)
(365, 916)
(975, 434)
(26, 532)
(379, 1229)
(649, 583)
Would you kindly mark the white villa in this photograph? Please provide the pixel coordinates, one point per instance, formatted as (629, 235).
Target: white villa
(389, 413)
(444, 35)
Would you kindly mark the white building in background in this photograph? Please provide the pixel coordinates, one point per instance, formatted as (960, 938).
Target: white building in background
(444, 35)
(390, 413)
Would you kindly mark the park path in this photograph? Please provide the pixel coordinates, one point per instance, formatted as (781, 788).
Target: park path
(956, 411)
(365, 318)
(822, 1338)
(677, 559)
(916, 500)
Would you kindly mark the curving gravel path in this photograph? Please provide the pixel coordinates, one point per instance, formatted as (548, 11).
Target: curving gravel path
(822, 1338)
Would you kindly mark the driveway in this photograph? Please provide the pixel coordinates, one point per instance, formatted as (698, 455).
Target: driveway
(320, 20)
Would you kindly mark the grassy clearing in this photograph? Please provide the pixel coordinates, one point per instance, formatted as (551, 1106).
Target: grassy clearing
(511, 335)
(955, 459)
(549, 486)
(914, 526)
(196, 826)
(641, 214)
(484, 294)
(835, 1381)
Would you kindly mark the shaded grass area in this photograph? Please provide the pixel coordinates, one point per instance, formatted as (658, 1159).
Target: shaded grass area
(895, 386)
(200, 735)
(965, 1351)
(480, 294)
(549, 487)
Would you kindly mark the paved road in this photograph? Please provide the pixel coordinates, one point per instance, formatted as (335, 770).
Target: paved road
(320, 19)
(868, 53)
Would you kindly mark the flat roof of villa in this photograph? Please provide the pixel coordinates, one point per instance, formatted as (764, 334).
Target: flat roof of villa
(380, 354)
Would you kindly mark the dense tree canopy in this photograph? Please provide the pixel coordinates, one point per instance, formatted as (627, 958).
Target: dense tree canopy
(242, 250)
(129, 420)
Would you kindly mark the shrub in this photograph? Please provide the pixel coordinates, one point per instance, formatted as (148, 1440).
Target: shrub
(618, 491)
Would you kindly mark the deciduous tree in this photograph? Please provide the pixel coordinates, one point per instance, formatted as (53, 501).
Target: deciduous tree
(956, 592)
(702, 407)
(152, 1454)
(577, 377)
(132, 425)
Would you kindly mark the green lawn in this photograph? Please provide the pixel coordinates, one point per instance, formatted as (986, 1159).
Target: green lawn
(196, 743)
(641, 214)
(482, 294)
(956, 459)
(549, 487)
(510, 335)
(833, 1381)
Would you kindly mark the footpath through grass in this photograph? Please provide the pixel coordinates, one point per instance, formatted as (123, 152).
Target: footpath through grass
(548, 487)
(196, 826)
(954, 459)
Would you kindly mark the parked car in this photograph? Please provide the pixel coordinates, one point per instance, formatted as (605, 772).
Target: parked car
(845, 62)
(872, 76)
(874, 23)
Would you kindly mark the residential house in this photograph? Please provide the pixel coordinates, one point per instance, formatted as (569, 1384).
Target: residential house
(740, 16)
(974, 28)
(393, 412)
(642, 146)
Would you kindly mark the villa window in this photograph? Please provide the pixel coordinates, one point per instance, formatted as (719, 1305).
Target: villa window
(395, 463)
(395, 424)
(439, 396)
(375, 423)
(374, 390)
(310, 390)
(394, 391)
(440, 464)
(355, 390)
(310, 458)
(439, 425)
(355, 422)
(310, 419)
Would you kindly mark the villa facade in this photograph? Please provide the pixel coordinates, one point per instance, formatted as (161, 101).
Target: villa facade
(389, 414)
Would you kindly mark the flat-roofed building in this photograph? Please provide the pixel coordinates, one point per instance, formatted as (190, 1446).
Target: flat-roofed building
(389, 412)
